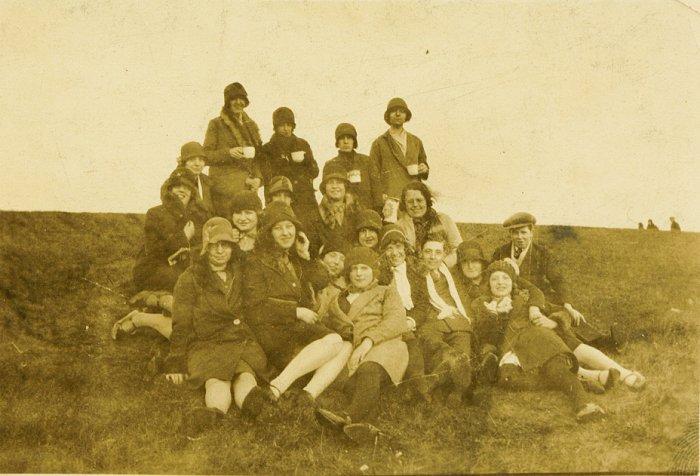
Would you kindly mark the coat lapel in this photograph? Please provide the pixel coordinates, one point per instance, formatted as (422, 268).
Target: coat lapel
(396, 150)
(362, 300)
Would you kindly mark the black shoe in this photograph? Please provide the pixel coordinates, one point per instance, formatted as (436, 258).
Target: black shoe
(254, 403)
(196, 422)
(269, 395)
(488, 369)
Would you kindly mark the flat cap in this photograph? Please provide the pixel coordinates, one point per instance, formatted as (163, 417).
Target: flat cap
(519, 219)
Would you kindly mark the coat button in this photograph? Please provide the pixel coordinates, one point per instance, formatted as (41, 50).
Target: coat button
(236, 322)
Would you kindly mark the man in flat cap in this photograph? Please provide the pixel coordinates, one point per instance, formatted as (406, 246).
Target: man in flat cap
(538, 266)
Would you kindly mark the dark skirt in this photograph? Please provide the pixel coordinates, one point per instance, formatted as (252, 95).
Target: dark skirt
(535, 346)
(283, 343)
(224, 360)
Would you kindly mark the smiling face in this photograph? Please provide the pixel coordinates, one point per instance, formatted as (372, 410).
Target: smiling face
(361, 276)
(346, 144)
(182, 192)
(335, 189)
(500, 283)
(195, 165)
(433, 253)
(397, 117)
(219, 253)
(368, 237)
(471, 269)
(521, 236)
(335, 262)
(415, 203)
(245, 220)
(284, 234)
(395, 253)
(285, 129)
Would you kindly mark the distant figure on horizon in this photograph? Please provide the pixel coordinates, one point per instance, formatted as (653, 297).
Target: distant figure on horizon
(675, 227)
(640, 226)
(651, 226)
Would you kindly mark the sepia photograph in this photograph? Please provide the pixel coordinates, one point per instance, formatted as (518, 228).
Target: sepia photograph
(350, 237)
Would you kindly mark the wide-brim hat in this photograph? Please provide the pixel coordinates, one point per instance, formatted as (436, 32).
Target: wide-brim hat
(283, 115)
(235, 90)
(470, 251)
(190, 151)
(392, 232)
(333, 172)
(215, 230)
(396, 103)
(520, 219)
(276, 212)
(346, 129)
(181, 176)
(362, 255)
(279, 183)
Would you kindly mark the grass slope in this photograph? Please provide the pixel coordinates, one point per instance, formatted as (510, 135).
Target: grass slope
(72, 400)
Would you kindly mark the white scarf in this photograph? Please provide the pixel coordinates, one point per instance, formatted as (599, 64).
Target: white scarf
(520, 258)
(435, 298)
(199, 188)
(402, 285)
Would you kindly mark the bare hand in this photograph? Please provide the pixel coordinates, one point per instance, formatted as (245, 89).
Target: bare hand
(358, 354)
(189, 230)
(422, 168)
(236, 152)
(544, 321)
(177, 379)
(576, 316)
(535, 313)
(307, 315)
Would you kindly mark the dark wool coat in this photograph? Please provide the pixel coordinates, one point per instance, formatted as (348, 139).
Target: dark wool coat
(419, 293)
(529, 291)
(368, 191)
(420, 296)
(210, 337)
(345, 233)
(391, 164)
(276, 159)
(541, 269)
(514, 332)
(227, 174)
(272, 295)
(164, 236)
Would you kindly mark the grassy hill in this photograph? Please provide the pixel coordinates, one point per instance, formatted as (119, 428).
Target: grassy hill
(72, 400)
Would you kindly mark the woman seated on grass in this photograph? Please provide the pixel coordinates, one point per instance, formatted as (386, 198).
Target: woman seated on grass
(526, 347)
(245, 209)
(601, 372)
(172, 230)
(420, 218)
(211, 345)
(279, 301)
(373, 318)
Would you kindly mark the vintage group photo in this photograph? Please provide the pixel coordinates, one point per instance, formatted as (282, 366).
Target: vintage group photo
(350, 238)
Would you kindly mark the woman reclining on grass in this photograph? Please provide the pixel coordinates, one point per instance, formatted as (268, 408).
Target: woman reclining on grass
(502, 321)
(373, 318)
(210, 344)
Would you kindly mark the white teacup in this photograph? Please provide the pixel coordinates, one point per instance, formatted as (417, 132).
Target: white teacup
(248, 152)
(298, 156)
(412, 169)
(391, 210)
(354, 176)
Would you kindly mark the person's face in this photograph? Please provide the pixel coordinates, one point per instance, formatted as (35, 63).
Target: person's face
(335, 262)
(346, 144)
(415, 203)
(361, 275)
(368, 238)
(245, 220)
(395, 253)
(433, 253)
(335, 189)
(397, 117)
(284, 234)
(237, 104)
(285, 129)
(182, 192)
(471, 269)
(501, 284)
(219, 253)
(521, 236)
(283, 197)
(195, 165)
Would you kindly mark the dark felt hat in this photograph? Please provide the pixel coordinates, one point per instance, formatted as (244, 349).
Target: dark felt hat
(501, 265)
(362, 255)
(280, 183)
(283, 115)
(190, 151)
(245, 200)
(470, 251)
(235, 90)
(333, 171)
(181, 176)
(369, 218)
(392, 232)
(345, 129)
(396, 103)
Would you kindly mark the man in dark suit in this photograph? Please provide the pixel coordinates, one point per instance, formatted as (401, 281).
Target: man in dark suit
(538, 266)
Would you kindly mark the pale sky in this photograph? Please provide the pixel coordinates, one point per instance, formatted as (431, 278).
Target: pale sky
(582, 113)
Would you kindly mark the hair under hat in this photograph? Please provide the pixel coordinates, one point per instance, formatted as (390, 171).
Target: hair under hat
(390, 233)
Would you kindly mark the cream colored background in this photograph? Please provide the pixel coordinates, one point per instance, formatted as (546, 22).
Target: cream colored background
(580, 112)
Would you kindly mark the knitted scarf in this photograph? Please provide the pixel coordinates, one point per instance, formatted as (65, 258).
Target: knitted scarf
(435, 298)
(333, 213)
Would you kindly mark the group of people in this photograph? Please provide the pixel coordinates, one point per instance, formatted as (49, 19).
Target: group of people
(372, 286)
(675, 226)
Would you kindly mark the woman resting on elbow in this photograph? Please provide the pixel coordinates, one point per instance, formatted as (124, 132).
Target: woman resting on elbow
(526, 348)
(279, 299)
(210, 343)
(373, 318)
